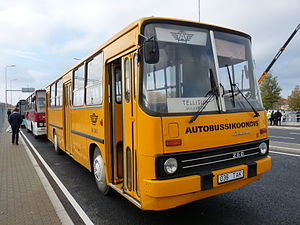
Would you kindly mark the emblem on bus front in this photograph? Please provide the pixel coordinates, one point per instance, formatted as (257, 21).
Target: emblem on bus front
(94, 118)
(181, 36)
(238, 133)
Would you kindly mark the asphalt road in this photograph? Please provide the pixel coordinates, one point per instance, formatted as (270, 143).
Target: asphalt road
(275, 199)
(284, 135)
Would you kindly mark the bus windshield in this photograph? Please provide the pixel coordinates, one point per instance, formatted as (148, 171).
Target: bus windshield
(236, 68)
(40, 102)
(180, 81)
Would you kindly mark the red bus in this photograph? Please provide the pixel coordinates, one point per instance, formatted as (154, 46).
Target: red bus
(35, 113)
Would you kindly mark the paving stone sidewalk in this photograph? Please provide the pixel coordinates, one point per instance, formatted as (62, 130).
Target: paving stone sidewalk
(23, 199)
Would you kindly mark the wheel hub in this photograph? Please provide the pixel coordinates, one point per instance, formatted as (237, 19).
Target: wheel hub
(98, 170)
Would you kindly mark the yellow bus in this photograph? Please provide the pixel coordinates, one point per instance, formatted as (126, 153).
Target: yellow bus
(165, 113)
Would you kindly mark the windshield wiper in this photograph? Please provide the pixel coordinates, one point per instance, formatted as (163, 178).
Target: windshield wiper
(253, 109)
(214, 92)
(231, 86)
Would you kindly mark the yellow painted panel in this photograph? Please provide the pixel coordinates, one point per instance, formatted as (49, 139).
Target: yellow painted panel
(171, 187)
(152, 203)
(210, 131)
(173, 130)
(264, 165)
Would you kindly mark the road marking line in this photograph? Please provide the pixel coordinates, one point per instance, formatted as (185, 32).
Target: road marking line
(295, 133)
(58, 206)
(71, 199)
(281, 137)
(283, 147)
(279, 142)
(283, 153)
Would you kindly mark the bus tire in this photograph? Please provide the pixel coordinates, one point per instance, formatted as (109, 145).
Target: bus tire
(32, 129)
(55, 144)
(99, 173)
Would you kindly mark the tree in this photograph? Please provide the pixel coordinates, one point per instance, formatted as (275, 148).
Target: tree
(270, 91)
(294, 99)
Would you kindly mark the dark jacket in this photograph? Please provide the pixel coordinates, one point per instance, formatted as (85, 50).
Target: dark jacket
(15, 119)
(277, 115)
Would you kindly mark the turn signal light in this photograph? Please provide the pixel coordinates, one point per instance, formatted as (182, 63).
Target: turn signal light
(263, 130)
(173, 142)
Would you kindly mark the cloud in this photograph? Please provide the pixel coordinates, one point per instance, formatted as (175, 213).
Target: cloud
(21, 54)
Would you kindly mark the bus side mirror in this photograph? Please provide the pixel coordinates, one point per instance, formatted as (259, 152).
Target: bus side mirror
(151, 51)
(33, 99)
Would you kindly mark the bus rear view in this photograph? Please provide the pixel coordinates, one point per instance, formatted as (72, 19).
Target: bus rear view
(213, 124)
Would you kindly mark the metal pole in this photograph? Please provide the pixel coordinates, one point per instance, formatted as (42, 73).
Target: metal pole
(262, 77)
(6, 86)
(6, 82)
(199, 9)
(10, 94)
(11, 90)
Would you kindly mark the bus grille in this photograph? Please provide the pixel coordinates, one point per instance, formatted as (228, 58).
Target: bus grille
(206, 160)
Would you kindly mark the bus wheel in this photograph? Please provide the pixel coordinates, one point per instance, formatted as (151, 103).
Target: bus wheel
(32, 129)
(99, 173)
(55, 143)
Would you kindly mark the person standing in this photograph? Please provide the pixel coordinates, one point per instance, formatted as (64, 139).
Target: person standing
(269, 116)
(277, 119)
(8, 113)
(15, 121)
(272, 118)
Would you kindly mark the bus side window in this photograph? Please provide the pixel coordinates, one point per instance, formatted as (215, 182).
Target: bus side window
(52, 95)
(78, 88)
(118, 84)
(127, 79)
(135, 75)
(94, 80)
(59, 87)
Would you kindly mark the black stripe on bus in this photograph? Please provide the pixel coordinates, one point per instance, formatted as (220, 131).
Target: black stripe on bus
(55, 126)
(88, 136)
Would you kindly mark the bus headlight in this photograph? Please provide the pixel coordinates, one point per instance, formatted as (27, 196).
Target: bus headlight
(263, 148)
(170, 166)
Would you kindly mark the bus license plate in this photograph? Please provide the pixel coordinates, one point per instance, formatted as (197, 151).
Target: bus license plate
(226, 177)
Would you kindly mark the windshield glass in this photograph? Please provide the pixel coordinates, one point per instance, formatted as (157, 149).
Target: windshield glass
(22, 107)
(180, 81)
(40, 101)
(235, 64)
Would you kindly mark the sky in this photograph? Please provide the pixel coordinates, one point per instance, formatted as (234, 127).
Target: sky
(42, 37)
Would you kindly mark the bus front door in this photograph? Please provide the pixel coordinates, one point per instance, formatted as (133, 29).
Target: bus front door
(115, 70)
(123, 105)
(129, 124)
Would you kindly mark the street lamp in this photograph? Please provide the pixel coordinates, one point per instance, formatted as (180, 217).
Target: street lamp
(6, 82)
(11, 89)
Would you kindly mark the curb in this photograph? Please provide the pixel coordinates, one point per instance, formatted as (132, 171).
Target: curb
(59, 208)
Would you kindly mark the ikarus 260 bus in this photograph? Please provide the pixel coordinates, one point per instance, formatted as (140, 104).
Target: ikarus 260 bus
(166, 112)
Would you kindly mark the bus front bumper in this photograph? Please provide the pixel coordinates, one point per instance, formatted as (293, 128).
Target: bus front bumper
(190, 188)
